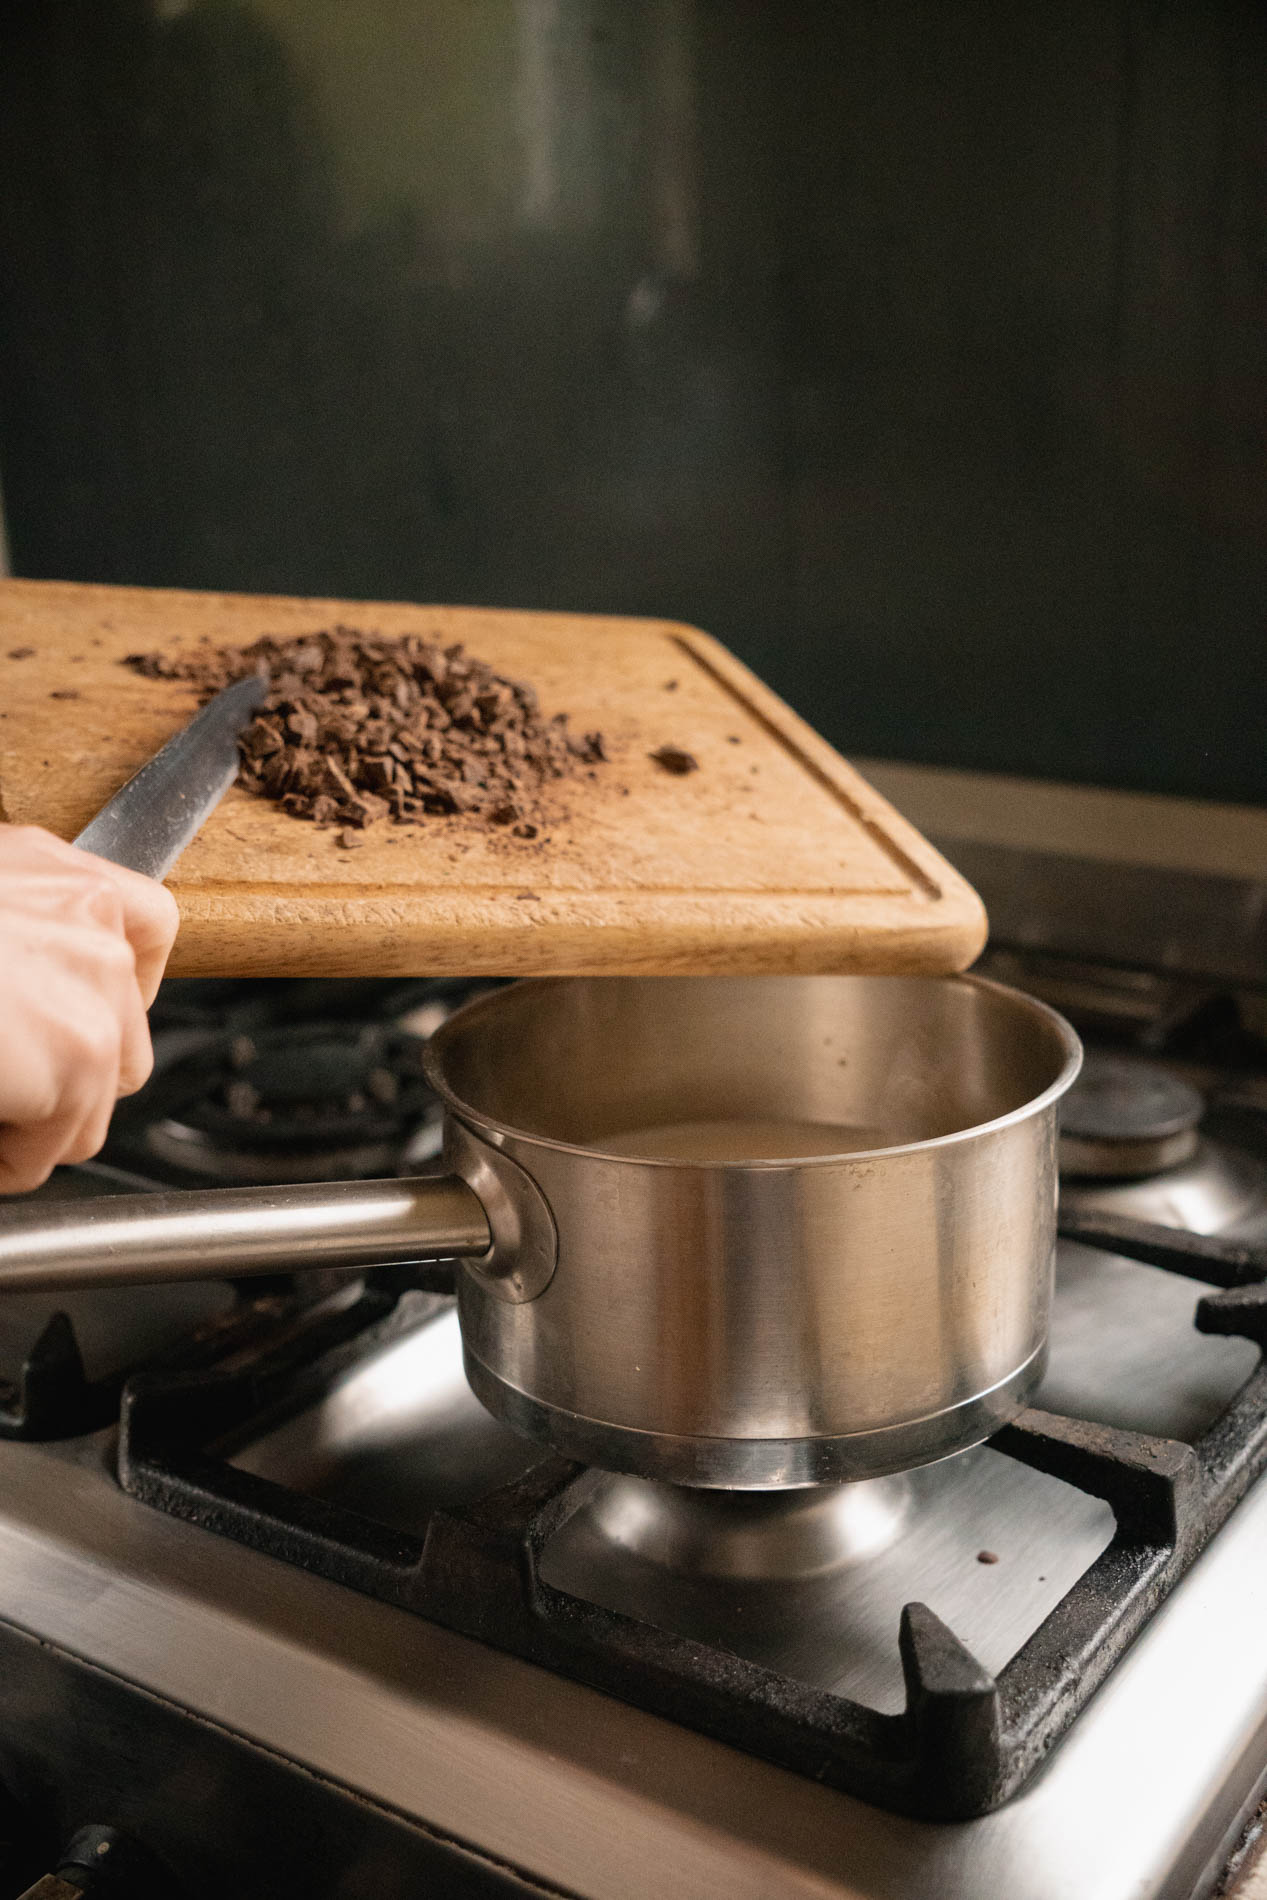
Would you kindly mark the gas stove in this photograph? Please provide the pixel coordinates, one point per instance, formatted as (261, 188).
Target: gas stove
(285, 1607)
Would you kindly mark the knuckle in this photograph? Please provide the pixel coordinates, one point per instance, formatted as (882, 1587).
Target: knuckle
(137, 1070)
(97, 898)
(97, 1038)
(31, 853)
(23, 1174)
(168, 909)
(117, 958)
(24, 1180)
(35, 838)
(84, 1147)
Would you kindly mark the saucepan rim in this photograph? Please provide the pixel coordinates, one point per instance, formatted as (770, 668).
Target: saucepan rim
(473, 1116)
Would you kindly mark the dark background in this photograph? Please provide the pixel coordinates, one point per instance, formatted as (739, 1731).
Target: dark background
(917, 350)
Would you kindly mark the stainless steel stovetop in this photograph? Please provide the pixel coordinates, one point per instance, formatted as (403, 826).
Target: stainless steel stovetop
(567, 1787)
(266, 1730)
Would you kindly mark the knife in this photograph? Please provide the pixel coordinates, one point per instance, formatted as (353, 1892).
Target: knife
(148, 823)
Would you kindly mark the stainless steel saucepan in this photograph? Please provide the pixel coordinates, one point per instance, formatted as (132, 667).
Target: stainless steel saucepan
(751, 1232)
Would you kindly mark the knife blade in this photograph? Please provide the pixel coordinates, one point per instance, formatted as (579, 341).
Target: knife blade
(150, 820)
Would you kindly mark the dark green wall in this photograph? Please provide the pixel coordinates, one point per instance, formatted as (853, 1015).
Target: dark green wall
(917, 350)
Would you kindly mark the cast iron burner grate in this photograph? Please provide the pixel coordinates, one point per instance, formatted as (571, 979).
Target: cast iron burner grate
(281, 1081)
(966, 1740)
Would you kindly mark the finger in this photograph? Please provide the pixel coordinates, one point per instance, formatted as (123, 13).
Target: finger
(33, 1081)
(26, 1160)
(150, 920)
(56, 876)
(136, 1063)
(29, 1154)
(83, 1052)
(89, 1137)
(83, 1115)
(62, 883)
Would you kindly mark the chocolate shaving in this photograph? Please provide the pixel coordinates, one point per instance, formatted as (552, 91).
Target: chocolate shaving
(670, 759)
(359, 727)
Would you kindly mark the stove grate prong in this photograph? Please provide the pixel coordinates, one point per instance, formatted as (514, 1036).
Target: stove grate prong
(1209, 1257)
(952, 1711)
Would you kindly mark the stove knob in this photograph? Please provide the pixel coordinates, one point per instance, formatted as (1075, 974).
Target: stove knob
(102, 1861)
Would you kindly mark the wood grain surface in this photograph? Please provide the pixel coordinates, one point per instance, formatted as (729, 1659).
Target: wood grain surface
(773, 856)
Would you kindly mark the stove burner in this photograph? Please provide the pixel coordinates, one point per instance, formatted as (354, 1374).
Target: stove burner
(1220, 1189)
(1124, 1118)
(288, 1102)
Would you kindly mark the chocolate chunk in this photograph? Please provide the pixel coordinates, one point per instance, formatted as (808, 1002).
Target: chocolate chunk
(64, 692)
(670, 759)
(358, 727)
(21, 653)
(260, 740)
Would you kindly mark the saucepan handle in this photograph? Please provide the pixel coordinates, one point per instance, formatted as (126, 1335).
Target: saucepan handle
(231, 1233)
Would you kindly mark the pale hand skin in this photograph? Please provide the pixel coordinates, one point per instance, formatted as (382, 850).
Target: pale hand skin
(83, 945)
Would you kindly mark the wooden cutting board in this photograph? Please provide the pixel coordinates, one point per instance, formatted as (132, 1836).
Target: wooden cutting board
(773, 856)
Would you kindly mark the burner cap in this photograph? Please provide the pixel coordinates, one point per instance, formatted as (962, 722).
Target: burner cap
(289, 1102)
(1126, 1117)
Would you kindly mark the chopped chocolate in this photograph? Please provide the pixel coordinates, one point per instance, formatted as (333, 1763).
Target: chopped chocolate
(670, 759)
(358, 727)
(21, 653)
(64, 692)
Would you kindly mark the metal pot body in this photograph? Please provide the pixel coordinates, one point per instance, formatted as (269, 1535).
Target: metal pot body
(755, 1324)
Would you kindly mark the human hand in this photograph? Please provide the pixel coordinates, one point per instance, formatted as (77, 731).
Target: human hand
(83, 944)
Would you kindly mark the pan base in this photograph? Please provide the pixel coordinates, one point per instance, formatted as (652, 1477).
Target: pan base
(758, 1464)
